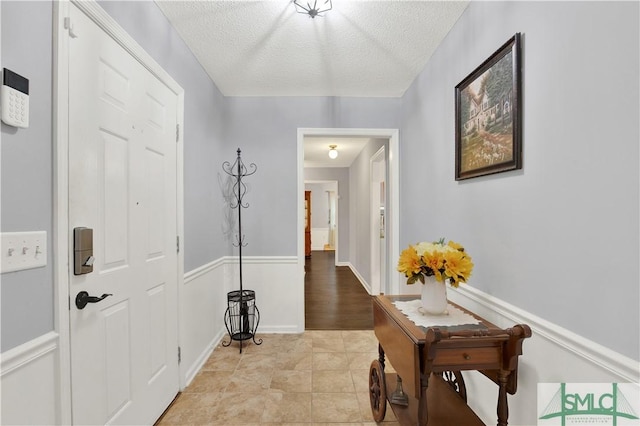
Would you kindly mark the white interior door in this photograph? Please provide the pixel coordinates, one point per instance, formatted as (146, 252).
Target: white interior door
(122, 184)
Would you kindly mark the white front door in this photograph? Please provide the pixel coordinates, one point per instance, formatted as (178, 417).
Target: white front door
(122, 184)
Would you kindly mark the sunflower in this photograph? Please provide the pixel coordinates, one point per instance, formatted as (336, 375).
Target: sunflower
(457, 267)
(409, 262)
(434, 261)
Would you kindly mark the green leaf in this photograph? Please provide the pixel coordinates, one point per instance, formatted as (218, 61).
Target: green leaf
(421, 277)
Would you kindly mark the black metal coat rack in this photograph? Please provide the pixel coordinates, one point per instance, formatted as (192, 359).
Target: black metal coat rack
(242, 316)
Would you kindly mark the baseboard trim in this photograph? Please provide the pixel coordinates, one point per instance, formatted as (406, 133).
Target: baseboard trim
(364, 283)
(22, 355)
(278, 329)
(201, 360)
(626, 368)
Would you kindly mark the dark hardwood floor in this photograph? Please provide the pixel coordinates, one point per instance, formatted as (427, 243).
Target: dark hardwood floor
(334, 298)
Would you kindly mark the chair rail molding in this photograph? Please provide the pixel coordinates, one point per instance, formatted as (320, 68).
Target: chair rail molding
(499, 311)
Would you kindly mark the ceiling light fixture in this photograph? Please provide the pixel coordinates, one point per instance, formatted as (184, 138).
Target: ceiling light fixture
(312, 11)
(333, 152)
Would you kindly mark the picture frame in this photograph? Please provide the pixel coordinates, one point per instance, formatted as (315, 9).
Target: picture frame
(488, 117)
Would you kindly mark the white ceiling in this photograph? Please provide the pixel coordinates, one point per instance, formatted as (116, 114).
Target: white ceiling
(364, 48)
(361, 48)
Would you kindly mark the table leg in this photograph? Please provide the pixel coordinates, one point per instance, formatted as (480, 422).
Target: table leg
(423, 411)
(503, 408)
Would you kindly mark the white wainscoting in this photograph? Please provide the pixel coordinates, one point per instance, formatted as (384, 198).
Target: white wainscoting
(276, 281)
(28, 378)
(202, 305)
(319, 237)
(551, 355)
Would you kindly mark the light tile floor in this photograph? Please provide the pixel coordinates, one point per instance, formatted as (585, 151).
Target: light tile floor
(314, 378)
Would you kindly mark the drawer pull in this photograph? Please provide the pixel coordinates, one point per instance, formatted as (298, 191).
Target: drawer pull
(466, 356)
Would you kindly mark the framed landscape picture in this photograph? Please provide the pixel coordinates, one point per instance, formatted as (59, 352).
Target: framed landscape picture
(488, 115)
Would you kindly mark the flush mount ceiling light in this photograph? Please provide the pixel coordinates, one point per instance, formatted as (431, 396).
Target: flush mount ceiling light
(312, 11)
(333, 152)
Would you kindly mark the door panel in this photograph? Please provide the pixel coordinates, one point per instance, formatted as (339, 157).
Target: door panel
(122, 183)
(113, 199)
(155, 203)
(158, 342)
(117, 351)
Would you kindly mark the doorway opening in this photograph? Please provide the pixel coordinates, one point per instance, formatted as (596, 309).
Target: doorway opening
(350, 256)
(322, 220)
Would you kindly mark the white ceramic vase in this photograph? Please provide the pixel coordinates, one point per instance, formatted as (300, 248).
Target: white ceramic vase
(434, 296)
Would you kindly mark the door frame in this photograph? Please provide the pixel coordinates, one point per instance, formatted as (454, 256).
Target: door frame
(393, 174)
(61, 236)
(374, 213)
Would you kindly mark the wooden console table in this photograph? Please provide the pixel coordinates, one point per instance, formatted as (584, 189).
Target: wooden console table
(429, 362)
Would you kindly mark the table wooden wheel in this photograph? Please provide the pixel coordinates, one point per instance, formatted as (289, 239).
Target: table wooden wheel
(377, 391)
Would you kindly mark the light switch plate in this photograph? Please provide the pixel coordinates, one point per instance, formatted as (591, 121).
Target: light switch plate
(23, 250)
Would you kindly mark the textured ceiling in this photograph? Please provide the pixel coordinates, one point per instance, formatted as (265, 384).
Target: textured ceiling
(360, 48)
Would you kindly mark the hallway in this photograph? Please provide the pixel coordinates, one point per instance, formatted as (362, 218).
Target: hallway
(334, 298)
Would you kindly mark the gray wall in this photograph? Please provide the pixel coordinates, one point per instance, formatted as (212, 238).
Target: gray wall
(340, 174)
(271, 142)
(560, 237)
(27, 171)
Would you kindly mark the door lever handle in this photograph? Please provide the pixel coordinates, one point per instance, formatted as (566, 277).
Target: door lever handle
(83, 298)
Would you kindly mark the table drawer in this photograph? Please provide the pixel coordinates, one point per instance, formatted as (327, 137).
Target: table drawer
(469, 358)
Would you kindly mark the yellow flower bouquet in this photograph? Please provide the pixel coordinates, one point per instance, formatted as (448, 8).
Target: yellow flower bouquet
(443, 261)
